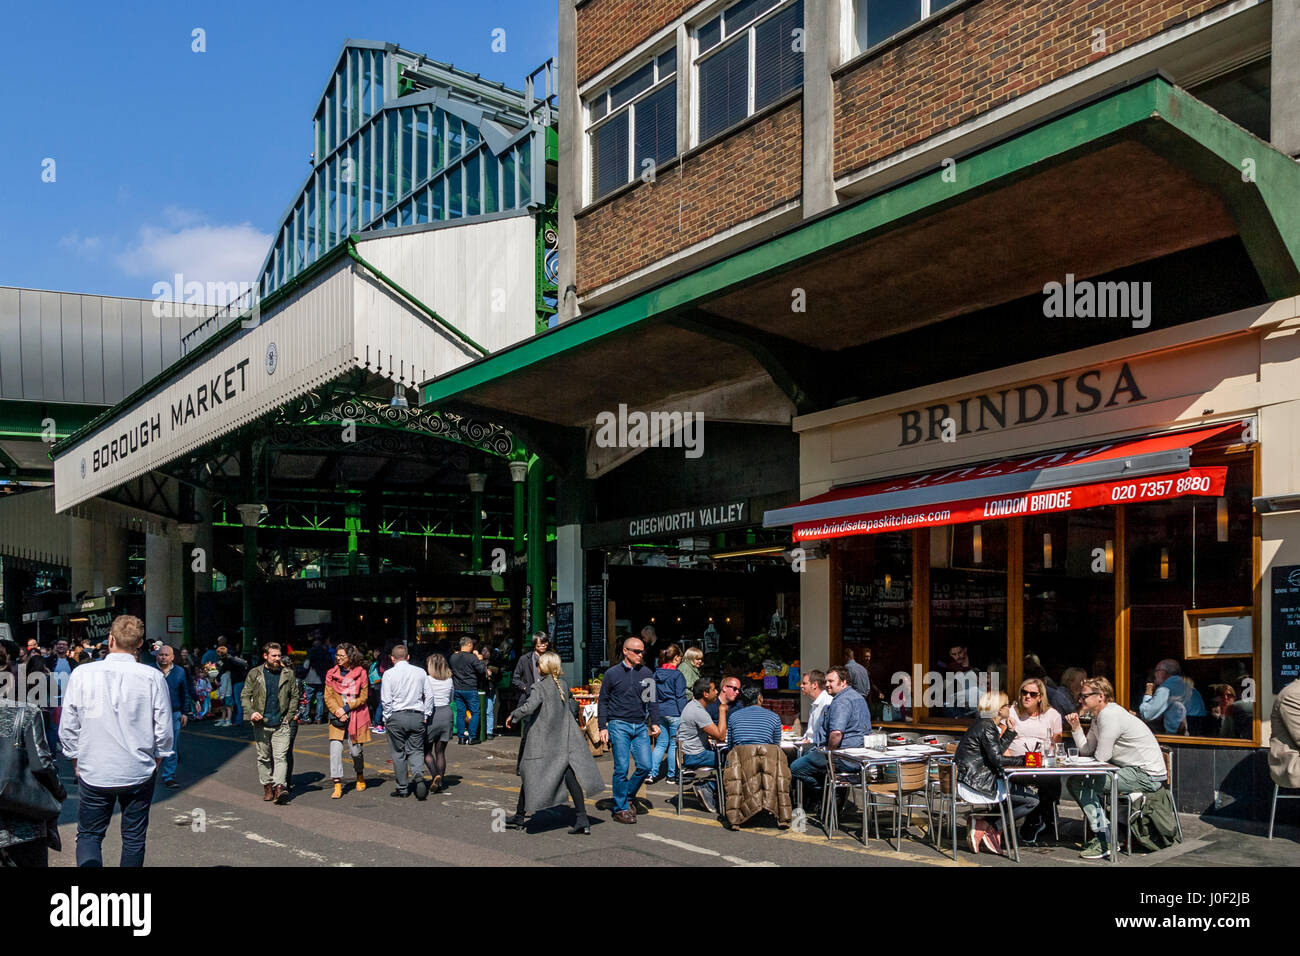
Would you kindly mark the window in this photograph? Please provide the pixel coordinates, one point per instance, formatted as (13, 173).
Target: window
(633, 124)
(878, 20)
(748, 57)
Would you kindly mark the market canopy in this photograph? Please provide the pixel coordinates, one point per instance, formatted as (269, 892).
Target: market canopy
(1148, 177)
(1154, 468)
(375, 304)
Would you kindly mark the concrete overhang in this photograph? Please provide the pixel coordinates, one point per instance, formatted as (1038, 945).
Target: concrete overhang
(375, 303)
(1132, 177)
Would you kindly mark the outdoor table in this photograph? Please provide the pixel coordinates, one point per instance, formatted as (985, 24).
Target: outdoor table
(1081, 767)
(796, 743)
(864, 758)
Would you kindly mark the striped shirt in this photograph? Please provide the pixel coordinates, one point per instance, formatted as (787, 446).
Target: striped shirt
(753, 725)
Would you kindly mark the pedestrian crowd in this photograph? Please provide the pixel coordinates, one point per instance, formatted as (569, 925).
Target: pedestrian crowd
(118, 718)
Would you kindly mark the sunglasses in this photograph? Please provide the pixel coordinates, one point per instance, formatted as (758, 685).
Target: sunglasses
(1091, 693)
(635, 650)
(1029, 693)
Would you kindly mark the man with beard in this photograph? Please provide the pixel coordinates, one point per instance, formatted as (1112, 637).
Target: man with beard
(270, 699)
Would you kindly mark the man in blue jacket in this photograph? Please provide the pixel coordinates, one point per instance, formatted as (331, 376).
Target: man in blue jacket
(178, 686)
(628, 716)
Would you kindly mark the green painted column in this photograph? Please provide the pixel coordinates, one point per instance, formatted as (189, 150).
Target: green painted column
(537, 578)
(249, 514)
(477, 482)
(352, 524)
(518, 477)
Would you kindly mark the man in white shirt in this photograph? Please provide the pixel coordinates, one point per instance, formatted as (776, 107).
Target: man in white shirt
(813, 685)
(117, 728)
(1116, 737)
(404, 695)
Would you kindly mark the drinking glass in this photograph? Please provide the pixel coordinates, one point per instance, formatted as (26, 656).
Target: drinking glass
(1074, 754)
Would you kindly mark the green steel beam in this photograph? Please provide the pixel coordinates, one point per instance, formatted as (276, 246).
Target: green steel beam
(1151, 101)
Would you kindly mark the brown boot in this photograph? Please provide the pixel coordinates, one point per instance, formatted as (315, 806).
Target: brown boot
(281, 794)
(361, 781)
(267, 794)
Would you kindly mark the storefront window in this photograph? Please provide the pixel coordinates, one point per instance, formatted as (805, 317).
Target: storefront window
(1069, 598)
(1185, 557)
(876, 616)
(968, 615)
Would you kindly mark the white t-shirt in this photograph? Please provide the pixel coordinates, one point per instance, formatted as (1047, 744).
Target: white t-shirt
(1040, 727)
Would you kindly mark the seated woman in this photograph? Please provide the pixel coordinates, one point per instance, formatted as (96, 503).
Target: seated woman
(981, 755)
(1036, 724)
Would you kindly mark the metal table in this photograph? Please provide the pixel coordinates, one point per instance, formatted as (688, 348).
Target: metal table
(1089, 769)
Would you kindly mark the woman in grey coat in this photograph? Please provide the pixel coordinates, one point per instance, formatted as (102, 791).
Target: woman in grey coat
(556, 757)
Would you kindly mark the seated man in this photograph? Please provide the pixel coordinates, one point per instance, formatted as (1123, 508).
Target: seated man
(1169, 702)
(728, 693)
(813, 686)
(846, 724)
(1118, 737)
(754, 723)
(697, 733)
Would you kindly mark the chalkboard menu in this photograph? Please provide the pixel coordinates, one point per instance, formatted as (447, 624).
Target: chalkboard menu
(1286, 626)
(564, 631)
(596, 621)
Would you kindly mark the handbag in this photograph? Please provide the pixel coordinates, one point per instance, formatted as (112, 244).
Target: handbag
(342, 724)
(20, 792)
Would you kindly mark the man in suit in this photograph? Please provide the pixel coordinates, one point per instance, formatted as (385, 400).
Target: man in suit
(1284, 741)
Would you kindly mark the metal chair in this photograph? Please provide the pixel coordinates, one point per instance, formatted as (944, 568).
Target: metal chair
(849, 776)
(947, 793)
(1131, 803)
(696, 775)
(1276, 797)
(911, 779)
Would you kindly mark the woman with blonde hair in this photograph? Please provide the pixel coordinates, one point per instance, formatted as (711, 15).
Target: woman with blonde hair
(1037, 724)
(689, 668)
(555, 757)
(981, 755)
(437, 722)
(346, 689)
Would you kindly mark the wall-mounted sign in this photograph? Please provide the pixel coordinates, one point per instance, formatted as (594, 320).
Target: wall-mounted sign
(675, 525)
(175, 624)
(563, 636)
(1286, 625)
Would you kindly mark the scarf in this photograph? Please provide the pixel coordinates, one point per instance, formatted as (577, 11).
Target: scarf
(348, 686)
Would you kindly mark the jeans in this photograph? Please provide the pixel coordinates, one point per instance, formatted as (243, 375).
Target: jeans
(406, 738)
(169, 763)
(467, 700)
(238, 690)
(95, 810)
(489, 705)
(1093, 792)
(628, 740)
(315, 702)
(336, 758)
(810, 769)
(666, 746)
(273, 745)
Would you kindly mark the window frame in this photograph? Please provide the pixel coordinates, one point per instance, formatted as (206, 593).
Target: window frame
(852, 48)
(658, 81)
(749, 32)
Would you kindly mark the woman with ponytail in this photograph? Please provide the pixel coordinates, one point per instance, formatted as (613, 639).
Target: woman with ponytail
(556, 757)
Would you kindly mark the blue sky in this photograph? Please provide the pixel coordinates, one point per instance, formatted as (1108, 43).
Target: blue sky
(167, 160)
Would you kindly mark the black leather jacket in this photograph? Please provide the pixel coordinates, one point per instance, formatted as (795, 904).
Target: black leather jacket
(979, 757)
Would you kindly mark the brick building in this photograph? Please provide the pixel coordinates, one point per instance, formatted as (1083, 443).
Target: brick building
(1015, 284)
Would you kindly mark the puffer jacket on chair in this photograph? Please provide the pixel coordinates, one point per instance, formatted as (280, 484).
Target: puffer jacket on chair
(757, 778)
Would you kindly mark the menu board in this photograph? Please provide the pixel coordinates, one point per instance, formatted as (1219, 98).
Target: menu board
(564, 631)
(1286, 626)
(596, 622)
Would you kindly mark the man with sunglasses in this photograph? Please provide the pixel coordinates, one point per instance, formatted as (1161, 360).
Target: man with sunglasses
(628, 716)
(1118, 737)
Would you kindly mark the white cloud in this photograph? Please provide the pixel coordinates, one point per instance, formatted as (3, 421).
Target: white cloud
(199, 251)
(85, 246)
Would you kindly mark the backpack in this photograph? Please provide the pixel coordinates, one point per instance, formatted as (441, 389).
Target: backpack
(1154, 828)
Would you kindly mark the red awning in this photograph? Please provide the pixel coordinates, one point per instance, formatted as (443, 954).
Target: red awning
(1153, 468)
